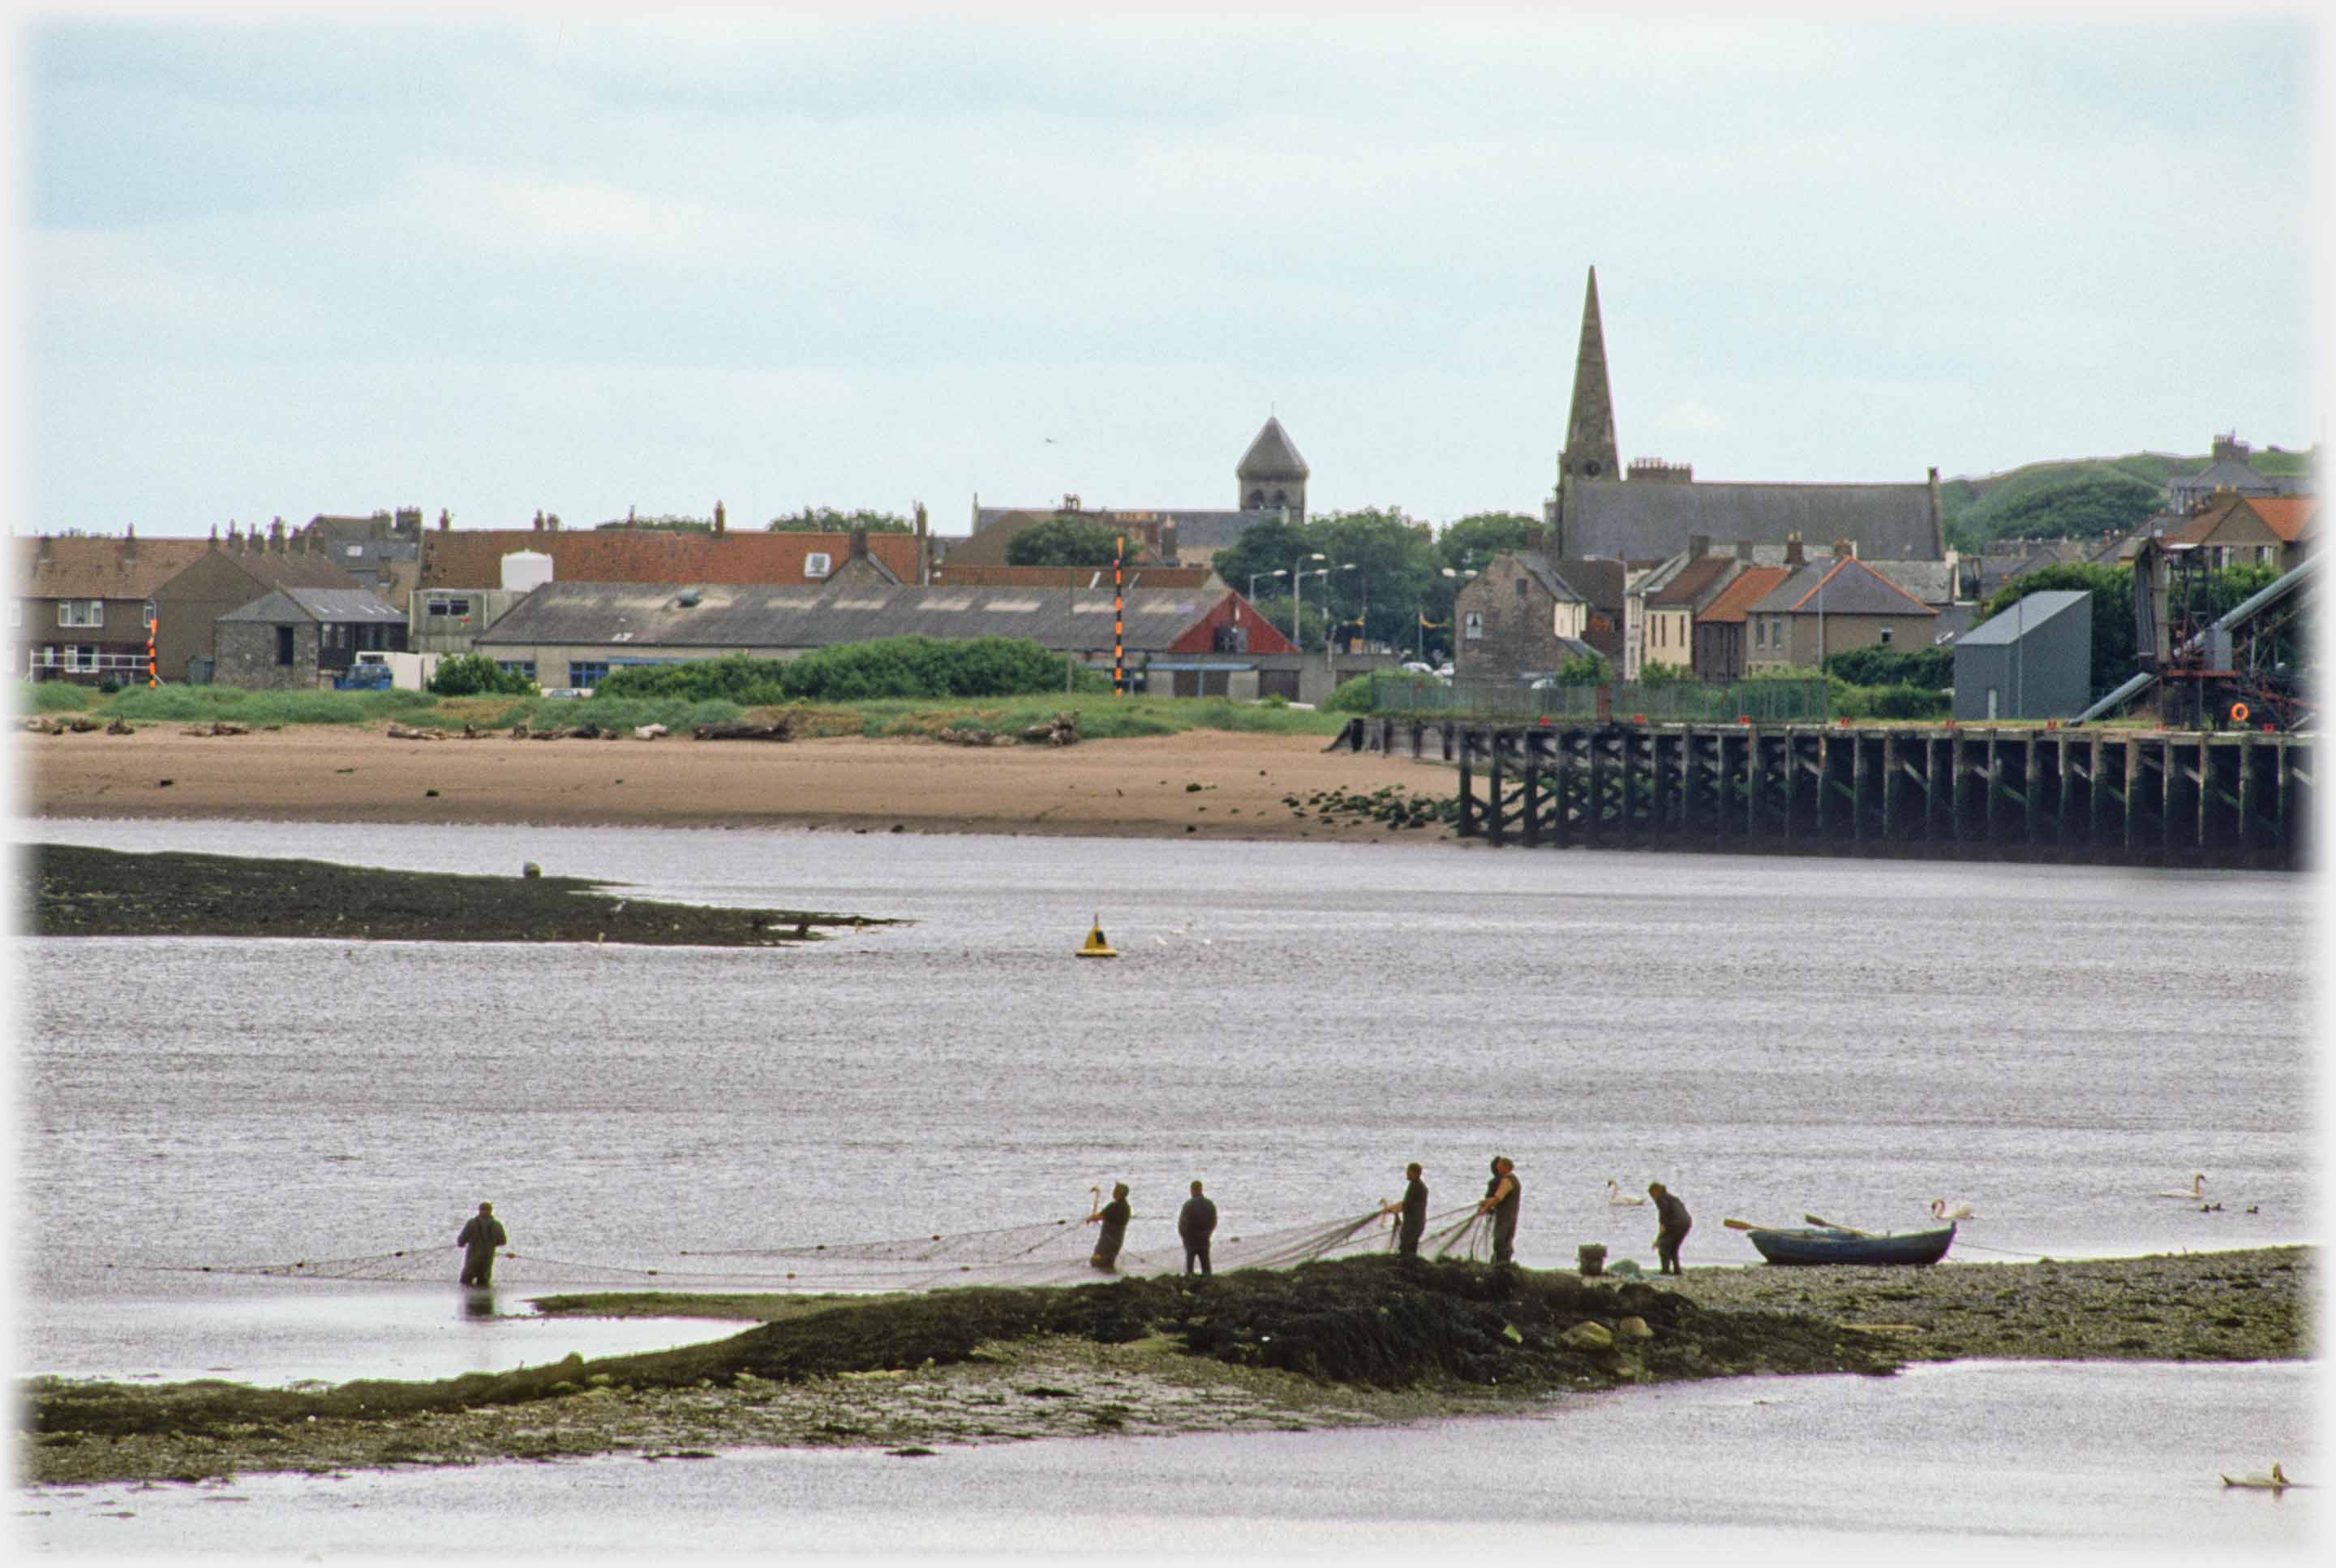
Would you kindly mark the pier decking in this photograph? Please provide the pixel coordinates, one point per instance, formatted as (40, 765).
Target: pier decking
(2164, 798)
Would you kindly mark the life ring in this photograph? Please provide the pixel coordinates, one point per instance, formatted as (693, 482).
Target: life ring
(2238, 712)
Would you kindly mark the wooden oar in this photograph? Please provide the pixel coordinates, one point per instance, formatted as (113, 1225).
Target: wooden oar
(1823, 1224)
(1744, 1225)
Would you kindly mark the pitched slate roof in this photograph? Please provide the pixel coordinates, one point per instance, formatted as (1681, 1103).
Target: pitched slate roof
(2010, 624)
(80, 568)
(1692, 582)
(1538, 566)
(753, 616)
(1271, 455)
(319, 604)
(1755, 584)
(1654, 521)
(473, 558)
(1846, 586)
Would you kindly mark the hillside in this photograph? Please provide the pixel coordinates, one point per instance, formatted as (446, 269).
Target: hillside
(2068, 498)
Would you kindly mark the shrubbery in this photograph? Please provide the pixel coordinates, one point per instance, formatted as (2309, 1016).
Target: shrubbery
(897, 667)
(1932, 669)
(1396, 690)
(476, 675)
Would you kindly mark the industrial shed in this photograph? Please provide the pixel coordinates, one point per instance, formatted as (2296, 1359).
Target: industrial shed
(2034, 660)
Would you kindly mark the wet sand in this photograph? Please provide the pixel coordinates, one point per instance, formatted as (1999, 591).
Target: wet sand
(1116, 788)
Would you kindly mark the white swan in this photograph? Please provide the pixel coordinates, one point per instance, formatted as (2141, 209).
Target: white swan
(2276, 1481)
(2195, 1190)
(1941, 1210)
(1618, 1198)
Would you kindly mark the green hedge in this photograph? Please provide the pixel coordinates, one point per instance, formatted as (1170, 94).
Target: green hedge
(897, 667)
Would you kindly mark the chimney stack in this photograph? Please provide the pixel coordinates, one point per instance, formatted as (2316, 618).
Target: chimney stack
(720, 519)
(1699, 545)
(1744, 551)
(1793, 556)
(859, 541)
(445, 520)
(925, 544)
(1843, 548)
(539, 519)
(48, 550)
(276, 537)
(129, 542)
(1168, 543)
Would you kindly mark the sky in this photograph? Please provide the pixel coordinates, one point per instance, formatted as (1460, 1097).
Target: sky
(501, 263)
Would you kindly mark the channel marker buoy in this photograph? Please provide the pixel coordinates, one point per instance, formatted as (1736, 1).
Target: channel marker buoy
(1095, 946)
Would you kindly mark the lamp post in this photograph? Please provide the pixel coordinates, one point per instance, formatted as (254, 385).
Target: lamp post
(1366, 580)
(1456, 576)
(1253, 581)
(1298, 576)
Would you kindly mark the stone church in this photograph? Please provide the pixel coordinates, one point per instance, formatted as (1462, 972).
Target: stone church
(1648, 512)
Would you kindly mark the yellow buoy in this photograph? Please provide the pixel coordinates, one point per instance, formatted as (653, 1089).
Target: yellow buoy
(1096, 947)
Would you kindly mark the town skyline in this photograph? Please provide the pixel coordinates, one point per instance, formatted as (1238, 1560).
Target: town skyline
(589, 269)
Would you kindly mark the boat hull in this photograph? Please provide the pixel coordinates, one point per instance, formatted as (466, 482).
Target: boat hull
(1820, 1246)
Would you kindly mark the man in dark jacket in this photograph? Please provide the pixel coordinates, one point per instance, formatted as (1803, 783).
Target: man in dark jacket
(1113, 1217)
(1196, 1223)
(1672, 1225)
(481, 1234)
(1413, 1210)
(1502, 1197)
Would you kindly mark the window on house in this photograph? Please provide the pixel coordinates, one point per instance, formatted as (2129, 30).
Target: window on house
(1885, 637)
(150, 615)
(520, 666)
(81, 656)
(283, 645)
(587, 672)
(1474, 626)
(816, 564)
(1520, 587)
(448, 607)
(81, 612)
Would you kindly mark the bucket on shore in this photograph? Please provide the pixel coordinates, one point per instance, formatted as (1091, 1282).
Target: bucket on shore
(1594, 1259)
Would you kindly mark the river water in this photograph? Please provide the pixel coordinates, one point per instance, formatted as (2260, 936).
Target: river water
(1292, 1023)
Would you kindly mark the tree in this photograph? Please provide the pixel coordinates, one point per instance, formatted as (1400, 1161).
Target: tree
(1479, 537)
(476, 675)
(827, 520)
(2113, 657)
(1583, 669)
(1066, 541)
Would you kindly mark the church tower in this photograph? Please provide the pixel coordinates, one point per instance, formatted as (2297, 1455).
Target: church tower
(1590, 450)
(1271, 474)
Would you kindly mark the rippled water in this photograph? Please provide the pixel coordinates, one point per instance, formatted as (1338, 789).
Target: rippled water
(1291, 1022)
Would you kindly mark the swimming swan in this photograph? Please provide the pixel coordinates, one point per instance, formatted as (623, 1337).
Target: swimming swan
(2276, 1481)
(2197, 1190)
(1941, 1210)
(1618, 1198)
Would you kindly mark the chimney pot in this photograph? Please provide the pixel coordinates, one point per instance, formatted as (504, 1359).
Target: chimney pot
(1793, 555)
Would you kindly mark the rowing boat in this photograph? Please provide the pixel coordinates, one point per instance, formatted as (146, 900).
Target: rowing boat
(1831, 1244)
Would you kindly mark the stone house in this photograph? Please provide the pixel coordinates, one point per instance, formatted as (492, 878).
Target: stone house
(226, 575)
(2251, 531)
(2228, 474)
(1828, 607)
(1512, 618)
(1723, 644)
(299, 638)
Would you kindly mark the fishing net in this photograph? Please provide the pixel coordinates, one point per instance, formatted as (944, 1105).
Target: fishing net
(1043, 1252)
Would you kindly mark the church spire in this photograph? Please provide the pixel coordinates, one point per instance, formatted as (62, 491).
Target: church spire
(1590, 448)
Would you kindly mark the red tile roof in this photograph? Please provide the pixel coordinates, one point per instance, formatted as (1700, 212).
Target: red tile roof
(473, 558)
(1692, 579)
(1755, 584)
(2286, 516)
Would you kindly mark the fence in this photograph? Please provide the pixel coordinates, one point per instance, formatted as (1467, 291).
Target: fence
(1681, 701)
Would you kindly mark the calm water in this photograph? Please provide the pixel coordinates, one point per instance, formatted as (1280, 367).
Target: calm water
(2054, 1045)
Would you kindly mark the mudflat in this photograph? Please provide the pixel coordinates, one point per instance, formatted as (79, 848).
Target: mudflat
(330, 772)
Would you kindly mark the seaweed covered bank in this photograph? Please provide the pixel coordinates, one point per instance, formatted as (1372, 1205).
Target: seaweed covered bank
(1360, 1342)
(74, 892)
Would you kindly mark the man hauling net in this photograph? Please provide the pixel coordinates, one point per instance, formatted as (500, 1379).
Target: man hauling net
(481, 1234)
(1114, 1217)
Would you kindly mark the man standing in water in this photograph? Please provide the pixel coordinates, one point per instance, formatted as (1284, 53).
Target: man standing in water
(1672, 1226)
(1196, 1224)
(1113, 1216)
(1501, 1196)
(1414, 1210)
(481, 1234)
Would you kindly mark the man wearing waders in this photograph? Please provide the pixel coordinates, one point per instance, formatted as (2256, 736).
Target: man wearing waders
(1414, 1210)
(1672, 1226)
(1196, 1223)
(481, 1234)
(1501, 1195)
(1113, 1216)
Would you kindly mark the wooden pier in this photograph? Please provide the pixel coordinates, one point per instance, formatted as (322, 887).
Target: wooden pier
(2124, 797)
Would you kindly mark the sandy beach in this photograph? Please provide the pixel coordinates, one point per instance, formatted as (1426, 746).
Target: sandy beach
(321, 773)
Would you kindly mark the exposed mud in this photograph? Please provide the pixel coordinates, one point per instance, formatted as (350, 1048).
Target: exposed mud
(73, 891)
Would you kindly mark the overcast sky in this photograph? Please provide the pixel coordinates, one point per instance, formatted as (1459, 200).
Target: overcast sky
(284, 269)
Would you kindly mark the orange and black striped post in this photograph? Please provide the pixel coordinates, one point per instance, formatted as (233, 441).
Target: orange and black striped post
(151, 681)
(1119, 619)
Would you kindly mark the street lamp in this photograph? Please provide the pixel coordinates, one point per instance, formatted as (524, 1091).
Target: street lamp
(1456, 576)
(1366, 580)
(1297, 577)
(1253, 581)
